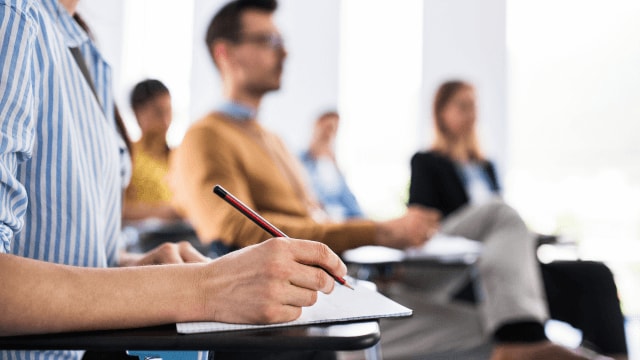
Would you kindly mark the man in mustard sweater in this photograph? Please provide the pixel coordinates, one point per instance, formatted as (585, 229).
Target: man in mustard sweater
(229, 147)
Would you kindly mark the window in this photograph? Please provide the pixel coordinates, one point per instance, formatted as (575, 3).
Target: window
(380, 90)
(574, 86)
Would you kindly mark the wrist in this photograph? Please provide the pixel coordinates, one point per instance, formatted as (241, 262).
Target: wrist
(383, 233)
(188, 293)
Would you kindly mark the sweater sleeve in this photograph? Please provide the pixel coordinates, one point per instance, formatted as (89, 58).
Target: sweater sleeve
(206, 158)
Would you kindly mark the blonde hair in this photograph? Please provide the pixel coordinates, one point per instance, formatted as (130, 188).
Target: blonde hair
(443, 141)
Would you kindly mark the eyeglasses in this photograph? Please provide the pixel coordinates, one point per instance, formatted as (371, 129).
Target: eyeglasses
(272, 41)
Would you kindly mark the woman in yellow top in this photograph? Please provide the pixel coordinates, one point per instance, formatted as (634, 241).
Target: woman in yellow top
(148, 194)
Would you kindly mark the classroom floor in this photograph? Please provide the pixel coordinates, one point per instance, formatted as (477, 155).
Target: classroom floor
(558, 332)
(570, 337)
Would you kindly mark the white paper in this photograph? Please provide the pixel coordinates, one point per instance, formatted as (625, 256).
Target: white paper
(343, 304)
(441, 248)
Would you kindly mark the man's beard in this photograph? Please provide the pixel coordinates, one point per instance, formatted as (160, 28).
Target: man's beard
(259, 90)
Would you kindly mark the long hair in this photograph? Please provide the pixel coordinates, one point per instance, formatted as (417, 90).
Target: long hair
(122, 129)
(443, 141)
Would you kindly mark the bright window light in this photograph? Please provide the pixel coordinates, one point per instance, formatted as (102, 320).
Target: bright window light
(574, 86)
(380, 79)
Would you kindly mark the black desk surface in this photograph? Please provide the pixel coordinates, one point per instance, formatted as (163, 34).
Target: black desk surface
(347, 336)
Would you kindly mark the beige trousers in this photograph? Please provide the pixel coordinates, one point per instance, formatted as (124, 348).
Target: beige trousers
(507, 276)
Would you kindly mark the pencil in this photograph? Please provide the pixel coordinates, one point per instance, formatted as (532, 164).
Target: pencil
(262, 222)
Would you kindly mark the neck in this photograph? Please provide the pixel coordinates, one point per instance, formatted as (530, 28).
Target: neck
(321, 148)
(246, 98)
(154, 144)
(459, 152)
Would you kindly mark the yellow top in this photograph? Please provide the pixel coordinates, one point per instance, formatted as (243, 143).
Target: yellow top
(255, 166)
(149, 179)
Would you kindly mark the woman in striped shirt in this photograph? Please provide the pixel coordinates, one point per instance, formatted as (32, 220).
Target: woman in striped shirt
(63, 168)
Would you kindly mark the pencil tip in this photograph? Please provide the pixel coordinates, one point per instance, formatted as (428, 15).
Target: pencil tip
(349, 286)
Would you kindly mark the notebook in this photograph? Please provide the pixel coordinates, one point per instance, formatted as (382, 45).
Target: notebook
(342, 304)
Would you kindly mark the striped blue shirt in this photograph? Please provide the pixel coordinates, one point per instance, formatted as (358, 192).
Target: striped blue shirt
(63, 165)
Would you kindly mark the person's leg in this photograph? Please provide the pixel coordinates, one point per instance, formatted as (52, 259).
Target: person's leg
(584, 295)
(509, 280)
(512, 300)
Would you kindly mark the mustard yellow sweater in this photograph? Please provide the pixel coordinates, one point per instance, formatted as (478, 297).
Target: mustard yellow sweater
(219, 150)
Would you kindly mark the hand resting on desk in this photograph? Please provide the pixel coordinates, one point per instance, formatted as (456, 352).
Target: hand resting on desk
(411, 230)
(167, 253)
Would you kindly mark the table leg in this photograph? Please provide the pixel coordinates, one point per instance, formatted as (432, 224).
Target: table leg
(374, 352)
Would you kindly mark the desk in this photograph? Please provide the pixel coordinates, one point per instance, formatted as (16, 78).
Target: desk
(347, 336)
(450, 261)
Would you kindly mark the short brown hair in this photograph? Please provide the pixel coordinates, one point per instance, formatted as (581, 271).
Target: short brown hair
(226, 23)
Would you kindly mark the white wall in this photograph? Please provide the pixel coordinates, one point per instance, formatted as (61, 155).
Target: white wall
(467, 39)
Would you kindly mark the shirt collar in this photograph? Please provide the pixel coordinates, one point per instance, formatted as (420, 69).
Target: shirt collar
(238, 111)
(73, 34)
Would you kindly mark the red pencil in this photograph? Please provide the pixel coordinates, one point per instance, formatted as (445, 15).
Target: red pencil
(260, 221)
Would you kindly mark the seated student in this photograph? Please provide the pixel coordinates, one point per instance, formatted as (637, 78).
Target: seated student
(326, 178)
(148, 194)
(63, 167)
(454, 175)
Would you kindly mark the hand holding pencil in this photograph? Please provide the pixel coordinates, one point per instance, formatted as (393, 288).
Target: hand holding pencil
(262, 222)
(269, 282)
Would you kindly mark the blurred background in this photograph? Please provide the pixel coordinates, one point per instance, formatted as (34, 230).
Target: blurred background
(558, 86)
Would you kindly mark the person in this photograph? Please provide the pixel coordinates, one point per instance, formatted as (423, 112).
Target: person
(63, 167)
(325, 176)
(229, 147)
(454, 175)
(148, 194)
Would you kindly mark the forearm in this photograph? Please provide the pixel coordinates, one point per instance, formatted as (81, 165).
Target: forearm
(40, 297)
(339, 237)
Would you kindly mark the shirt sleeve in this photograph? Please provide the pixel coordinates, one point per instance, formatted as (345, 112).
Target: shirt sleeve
(351, 205)
(17, 37)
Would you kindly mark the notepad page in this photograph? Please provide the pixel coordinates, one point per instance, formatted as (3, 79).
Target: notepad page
(343, 304)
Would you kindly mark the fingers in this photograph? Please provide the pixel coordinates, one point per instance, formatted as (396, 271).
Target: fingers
(189, 254)
(300, 296)
(312, 278)
(172, 253)
(317, 254)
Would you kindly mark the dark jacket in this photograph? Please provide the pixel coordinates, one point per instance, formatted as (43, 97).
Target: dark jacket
(436, 182)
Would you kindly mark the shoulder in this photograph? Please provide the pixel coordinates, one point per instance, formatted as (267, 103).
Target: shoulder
(212, 125)
(202, 134)
(23, 8)
(20, 16)
(430, 158)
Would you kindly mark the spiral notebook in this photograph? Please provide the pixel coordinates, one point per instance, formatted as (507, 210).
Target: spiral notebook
(343, 304)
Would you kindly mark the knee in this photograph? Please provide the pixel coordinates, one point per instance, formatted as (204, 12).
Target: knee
(500, 209)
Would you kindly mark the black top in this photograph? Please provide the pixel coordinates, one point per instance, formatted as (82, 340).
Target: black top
(436, 182)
